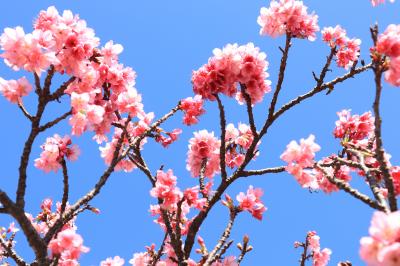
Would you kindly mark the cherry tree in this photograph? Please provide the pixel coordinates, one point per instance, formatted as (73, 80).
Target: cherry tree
(102, 100)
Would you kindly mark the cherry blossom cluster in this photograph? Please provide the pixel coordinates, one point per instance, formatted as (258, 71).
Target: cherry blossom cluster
(192, 108)
(319, 257)
(233, 64)
(56, 149)
(288, 17)
(251, 202)
(348, 50)
(172, 199)
(14, 90)
(382, 246)
(67, 245)
(377, 2)
(238, 141)
(388, 44)
(100, 86)
(354, 128)
(203, 148)
(300, 157)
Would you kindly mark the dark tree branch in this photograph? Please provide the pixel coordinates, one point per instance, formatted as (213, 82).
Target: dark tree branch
(348, 189)
(249, 106)
(380, 153)
(222, 149)
(281, 76)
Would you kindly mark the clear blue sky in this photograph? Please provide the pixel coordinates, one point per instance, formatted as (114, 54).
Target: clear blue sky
(164, 41)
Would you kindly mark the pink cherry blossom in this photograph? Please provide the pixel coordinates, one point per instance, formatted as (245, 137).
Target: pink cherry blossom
(13, 90)
(382, 247)
(192, 198)
(203, 146)
(140, 259)
(288, 16)
(302, 154)
(251, 202)
(27, 51)
(300, 157)
(54, 150)
(238, 141)
(354, 127)
(116, 261)
(230, 66)
(377, 2)
(166, 189)
(171, 137)
(69, 245)
(348, 49)
(319, 257)
(389, 44)
(192, 108)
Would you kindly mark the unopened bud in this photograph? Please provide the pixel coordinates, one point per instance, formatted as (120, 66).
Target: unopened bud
(249, 248)
(239, 246)
(246, 239)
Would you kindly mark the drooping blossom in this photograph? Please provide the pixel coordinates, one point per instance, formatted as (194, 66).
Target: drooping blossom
(348, 50)
(14, 90)
(116, 261)
(299, 157)
(354, 127)
(230, 66)
(140, 259)
(238, 141)
(68, 245)
(251, 202)
(288, 16)
(203, 146)
(382, 247)
(388, 44)
(319, 257)
(192, 108)
(378, 2)
(165, 189)
(55, 149)
(169, 139)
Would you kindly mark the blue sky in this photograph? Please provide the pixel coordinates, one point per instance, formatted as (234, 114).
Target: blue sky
(163, 42)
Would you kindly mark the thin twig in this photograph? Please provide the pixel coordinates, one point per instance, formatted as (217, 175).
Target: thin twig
(224, 237)
(249, 106)
(55, 121)
(281, 76)
(24, 111)
(10, 252)
(66, 186)
(373, 183)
